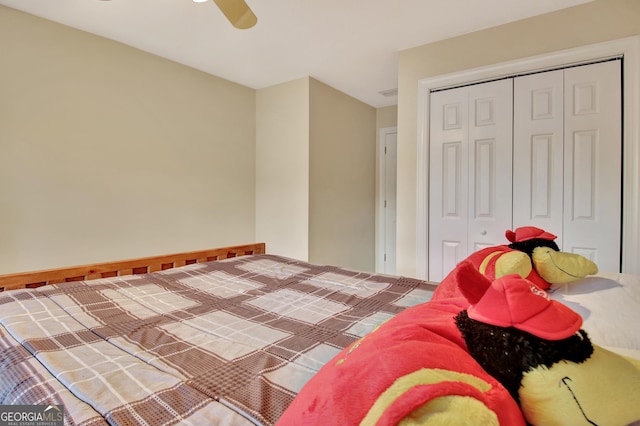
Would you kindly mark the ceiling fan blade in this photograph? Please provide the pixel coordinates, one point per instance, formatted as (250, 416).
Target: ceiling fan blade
(238, 13)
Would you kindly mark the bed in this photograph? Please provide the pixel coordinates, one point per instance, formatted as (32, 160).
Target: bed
(227, 336)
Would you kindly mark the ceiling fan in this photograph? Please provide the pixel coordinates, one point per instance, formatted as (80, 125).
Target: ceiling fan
(237, 12)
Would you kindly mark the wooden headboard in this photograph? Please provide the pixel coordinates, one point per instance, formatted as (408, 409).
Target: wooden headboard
(123, 267)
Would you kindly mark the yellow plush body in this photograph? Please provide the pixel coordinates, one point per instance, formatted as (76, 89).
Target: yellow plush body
(603, 390)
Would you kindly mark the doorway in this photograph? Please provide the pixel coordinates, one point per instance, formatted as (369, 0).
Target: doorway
(386, 174)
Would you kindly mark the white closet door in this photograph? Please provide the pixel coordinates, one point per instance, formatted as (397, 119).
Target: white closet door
(448, 192)
(490, 163)
(538, 144)
(564, 129)
(592, 166)
(470, 167)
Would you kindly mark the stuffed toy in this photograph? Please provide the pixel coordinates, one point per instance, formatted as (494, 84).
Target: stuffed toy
(532, 254)
(534, 346)
(413, 368)
(479, 352)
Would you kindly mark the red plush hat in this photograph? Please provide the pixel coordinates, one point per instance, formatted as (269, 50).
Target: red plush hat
(528, 233)
(512, 301)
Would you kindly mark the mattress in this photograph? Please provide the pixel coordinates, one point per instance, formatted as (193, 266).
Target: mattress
(228, 343)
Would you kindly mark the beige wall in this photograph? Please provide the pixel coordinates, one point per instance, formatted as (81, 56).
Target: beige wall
(342, 179)
(315, 174)
(107, 152)
(601, 20)
(387, 117)
(282, 168)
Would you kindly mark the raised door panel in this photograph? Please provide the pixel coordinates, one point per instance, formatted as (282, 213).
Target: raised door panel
(538, 151)
(448, 181)
(490, 163)
(592, 166)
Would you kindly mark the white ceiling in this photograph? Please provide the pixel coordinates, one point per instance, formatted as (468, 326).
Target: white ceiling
(350, 45)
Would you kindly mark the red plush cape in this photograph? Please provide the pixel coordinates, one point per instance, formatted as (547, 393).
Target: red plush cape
(423, 338)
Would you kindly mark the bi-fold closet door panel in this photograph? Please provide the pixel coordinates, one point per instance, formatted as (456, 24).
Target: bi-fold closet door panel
(541, 150)
(470, 171)
(538, 151)
(568, 156)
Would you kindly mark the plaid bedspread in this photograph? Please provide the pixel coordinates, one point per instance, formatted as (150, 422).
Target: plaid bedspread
(225, 343)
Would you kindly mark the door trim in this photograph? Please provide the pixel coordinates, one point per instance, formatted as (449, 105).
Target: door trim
(380, 180)
(629, 49)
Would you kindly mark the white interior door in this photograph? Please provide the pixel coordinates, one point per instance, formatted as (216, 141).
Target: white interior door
(386, 177)
(490, 163)
(538, 151)
(567, 158)
(564, 129)
(592, 163)
(390, 166)
(448, 187)
(470, 172)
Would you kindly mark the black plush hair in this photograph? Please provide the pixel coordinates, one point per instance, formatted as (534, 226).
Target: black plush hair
(529, 245)
(508, 353)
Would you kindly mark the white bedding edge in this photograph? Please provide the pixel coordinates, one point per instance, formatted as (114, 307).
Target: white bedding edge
(609, 304)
